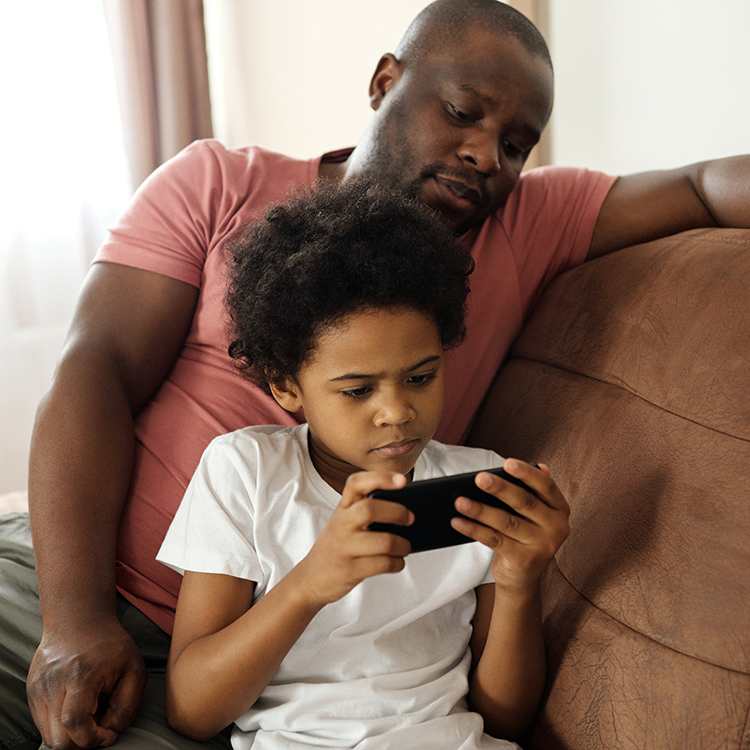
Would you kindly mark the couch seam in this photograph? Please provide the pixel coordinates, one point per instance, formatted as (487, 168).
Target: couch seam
(631, 391)
(652, 639)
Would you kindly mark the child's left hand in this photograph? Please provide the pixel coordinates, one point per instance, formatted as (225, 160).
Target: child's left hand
(523, 546)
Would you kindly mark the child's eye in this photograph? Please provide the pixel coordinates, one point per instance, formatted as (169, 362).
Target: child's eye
(421, 379)
(363, 390)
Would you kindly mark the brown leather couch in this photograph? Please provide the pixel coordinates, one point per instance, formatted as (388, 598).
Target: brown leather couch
(632, 381)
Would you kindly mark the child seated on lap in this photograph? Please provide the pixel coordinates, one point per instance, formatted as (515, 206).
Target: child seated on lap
(343, 303)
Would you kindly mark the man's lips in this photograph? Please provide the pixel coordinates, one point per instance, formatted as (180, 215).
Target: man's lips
(458, 193)
(399, 448)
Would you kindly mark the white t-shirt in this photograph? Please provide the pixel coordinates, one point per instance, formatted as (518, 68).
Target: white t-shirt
(387, 665)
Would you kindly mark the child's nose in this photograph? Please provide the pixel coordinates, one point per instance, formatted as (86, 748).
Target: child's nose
(395, 411)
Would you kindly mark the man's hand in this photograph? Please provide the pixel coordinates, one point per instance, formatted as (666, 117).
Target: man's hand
(85, 685)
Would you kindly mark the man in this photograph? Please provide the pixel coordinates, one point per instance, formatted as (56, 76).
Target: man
(144, 381)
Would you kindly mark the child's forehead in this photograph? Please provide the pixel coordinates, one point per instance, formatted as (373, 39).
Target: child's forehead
(376, 319)
(395, 334)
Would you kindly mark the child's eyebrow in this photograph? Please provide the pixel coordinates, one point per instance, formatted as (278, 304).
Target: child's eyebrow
(365, 376)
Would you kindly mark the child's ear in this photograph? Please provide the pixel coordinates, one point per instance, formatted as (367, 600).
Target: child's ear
(287, 394)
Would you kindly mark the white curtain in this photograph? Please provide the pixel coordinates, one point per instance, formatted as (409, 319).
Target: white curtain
(63, 180)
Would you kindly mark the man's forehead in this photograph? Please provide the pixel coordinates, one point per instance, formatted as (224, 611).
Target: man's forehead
(481, 69)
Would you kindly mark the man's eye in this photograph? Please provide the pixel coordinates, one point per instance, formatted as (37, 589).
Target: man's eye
(512, 150)
(459, 114)
(357, 392)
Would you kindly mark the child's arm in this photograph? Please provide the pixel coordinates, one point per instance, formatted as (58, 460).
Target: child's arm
(507, 645)
(224, 651)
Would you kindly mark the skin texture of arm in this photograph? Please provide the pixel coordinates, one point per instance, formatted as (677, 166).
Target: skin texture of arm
(646, 206)
(126, 333)
(508, 649)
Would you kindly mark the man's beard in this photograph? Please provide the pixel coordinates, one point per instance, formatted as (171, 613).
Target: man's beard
(392, 162)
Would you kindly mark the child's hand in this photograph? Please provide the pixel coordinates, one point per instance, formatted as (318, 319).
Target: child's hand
(346, 553)
(523, 546)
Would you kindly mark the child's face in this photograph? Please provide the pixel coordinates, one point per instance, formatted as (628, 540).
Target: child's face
(372, 393)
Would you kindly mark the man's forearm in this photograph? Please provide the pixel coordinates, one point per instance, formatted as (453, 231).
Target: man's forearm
(79, 474)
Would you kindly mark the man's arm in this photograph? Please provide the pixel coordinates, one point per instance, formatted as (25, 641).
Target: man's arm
(646, 206)
(126, 333)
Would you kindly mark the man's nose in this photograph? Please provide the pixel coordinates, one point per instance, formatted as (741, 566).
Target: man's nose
(481, 150)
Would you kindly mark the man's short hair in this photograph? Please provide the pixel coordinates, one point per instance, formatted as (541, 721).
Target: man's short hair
(443, 22)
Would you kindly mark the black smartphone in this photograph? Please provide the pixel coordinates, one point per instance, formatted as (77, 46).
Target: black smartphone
(432, 502)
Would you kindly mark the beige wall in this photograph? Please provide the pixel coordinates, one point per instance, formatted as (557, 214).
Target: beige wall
(647, 84)
(293, 75)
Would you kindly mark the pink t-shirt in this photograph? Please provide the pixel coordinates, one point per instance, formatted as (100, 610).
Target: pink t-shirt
(175, 226)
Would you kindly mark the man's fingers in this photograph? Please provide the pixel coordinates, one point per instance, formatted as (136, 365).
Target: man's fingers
(85, 687)
(125, 700)
(78, 717)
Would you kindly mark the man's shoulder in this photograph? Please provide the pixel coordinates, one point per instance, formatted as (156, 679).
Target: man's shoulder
(213, 154)
(548, 199)
(554, 180)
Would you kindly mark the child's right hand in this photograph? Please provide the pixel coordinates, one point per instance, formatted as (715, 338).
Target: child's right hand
(346, 552)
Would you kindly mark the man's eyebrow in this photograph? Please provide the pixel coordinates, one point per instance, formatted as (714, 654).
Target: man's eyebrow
(469, 89)
(368, 376)
(530, 130)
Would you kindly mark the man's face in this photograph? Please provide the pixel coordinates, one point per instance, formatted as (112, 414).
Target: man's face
(372, 393)
(455, 127)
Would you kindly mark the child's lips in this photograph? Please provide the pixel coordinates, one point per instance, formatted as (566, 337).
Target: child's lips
(399, 448)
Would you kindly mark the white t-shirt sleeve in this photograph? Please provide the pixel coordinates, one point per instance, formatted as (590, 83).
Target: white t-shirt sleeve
(212, 531)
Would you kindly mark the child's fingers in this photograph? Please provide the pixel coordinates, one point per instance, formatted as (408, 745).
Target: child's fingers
(540, 503)
(374, 543)
(543, 520)
(369, 511)
(539, 525)
(494, 538)
(538, 481)
(360, 485)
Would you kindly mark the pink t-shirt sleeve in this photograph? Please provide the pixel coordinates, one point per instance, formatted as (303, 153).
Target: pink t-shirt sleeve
(550, 220)
(187, 207)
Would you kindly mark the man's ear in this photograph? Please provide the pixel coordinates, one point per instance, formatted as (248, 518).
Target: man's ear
(384, 79)
(287, 394)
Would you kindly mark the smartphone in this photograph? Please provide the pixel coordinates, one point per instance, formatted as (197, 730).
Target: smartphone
(432, 502)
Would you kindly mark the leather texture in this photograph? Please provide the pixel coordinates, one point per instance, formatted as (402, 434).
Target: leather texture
(632, 381)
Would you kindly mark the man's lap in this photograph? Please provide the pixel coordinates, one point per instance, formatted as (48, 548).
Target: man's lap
(21, 630)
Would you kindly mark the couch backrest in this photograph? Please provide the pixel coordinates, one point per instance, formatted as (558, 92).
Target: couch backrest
(632, 380)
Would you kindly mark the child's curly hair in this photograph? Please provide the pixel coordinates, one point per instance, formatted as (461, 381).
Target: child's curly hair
(336, 250)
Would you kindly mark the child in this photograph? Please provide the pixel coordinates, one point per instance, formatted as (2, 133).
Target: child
(343, 304)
